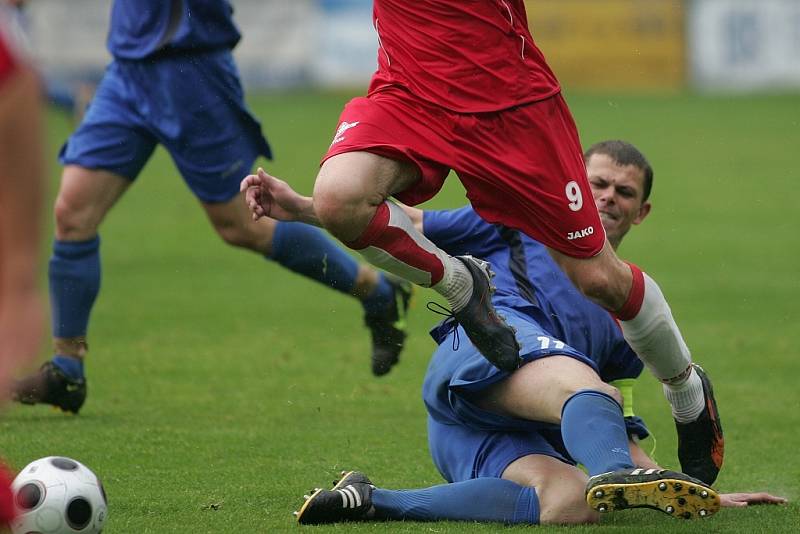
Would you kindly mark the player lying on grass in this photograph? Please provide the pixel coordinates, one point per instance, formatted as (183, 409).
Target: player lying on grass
(182, 67)
(508, 443)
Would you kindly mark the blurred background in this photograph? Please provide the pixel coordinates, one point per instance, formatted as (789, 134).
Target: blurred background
(631, 45)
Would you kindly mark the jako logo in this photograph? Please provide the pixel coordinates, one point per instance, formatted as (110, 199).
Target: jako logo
(581, 233)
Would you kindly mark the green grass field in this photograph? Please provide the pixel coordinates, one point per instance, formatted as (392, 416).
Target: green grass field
(221, 387)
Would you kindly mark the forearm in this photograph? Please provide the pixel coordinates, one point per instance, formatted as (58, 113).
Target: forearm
(415, 214)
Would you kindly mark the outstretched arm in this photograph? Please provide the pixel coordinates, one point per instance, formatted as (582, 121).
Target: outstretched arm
(268, 196)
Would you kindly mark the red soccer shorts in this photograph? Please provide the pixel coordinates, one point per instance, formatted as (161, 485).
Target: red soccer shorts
(521, 167)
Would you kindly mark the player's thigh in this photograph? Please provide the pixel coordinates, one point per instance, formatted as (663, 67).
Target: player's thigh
(234, 223)
(84, 197)
(362, 176)
(560, 488)
(538, 390)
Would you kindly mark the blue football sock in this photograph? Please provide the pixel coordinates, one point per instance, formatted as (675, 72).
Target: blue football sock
(479, 499)
(70, 365)
(593, 430)
(74, 285)
(308, 251)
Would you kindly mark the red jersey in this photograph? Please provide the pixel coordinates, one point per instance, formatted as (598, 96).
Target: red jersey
(464, 55)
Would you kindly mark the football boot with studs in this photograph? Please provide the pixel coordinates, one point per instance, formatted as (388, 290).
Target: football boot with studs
(673, 493)
(350, 499)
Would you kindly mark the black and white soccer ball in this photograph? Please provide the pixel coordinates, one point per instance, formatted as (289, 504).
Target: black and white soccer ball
(57, 495)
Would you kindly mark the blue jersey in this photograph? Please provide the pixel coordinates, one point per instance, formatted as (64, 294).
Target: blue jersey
(141, 28)
(550, 317)
(528, 280)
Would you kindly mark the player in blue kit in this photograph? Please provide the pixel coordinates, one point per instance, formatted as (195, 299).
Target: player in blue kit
(508, 442)
(173, 82)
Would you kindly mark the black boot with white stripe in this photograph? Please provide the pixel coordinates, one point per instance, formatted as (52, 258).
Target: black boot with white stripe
(671, 492)
(349, 500)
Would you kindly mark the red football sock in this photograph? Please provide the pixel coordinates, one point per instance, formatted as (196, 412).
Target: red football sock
(635, 299)
(401, 249)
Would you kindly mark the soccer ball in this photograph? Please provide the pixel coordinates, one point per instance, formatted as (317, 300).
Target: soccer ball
(57, 495)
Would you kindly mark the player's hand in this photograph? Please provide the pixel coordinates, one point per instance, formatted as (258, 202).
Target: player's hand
(268, 196)
(740, 500)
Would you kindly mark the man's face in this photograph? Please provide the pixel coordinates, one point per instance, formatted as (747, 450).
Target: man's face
(618, 192)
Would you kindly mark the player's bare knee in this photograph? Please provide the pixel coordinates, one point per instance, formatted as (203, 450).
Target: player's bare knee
(604, 279)
(611, 391)
(72, 220)
(595, 284)
(344, 214)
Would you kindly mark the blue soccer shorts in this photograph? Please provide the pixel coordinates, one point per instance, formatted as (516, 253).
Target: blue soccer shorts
(192, 104)
(462, 453)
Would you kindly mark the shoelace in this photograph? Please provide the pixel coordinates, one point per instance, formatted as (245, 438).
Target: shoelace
(450, 320)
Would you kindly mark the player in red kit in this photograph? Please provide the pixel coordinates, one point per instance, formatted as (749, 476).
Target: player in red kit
(21, 195)
(462, 86)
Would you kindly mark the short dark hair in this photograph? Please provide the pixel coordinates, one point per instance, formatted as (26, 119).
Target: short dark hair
(624, 153)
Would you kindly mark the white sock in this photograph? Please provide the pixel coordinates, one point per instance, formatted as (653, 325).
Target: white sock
(655, 337)
(456, 284)
(686, 398)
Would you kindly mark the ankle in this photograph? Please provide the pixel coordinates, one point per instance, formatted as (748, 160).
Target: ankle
(456, 284)
(73, 347)
(69, 365)
(366, 282)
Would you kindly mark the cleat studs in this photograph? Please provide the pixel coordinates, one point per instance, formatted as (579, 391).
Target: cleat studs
(296, 513)
(670, 509)
(704, 494)
(678, 486)
(662, 486)
(306, 497)
(619, 492)
(681, 501)
(686, 515)
(599, 494)
(603, 508)
(692, 490)
(703, 513)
